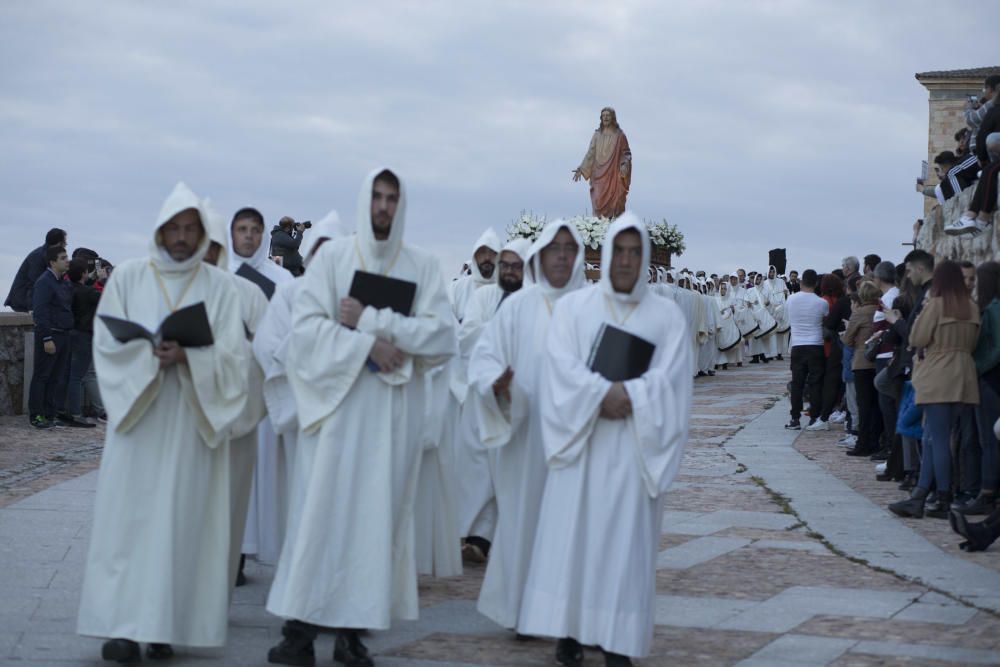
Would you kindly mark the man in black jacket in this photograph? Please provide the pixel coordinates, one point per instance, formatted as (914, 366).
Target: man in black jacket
(34, 265)
(52, 309)
(285, 240)
(85, 300)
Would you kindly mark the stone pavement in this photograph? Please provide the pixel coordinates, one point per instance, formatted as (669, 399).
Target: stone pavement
(772, 554)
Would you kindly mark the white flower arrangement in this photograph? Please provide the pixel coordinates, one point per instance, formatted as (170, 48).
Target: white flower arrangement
(592, 229)
(526, 226)
(665, 235)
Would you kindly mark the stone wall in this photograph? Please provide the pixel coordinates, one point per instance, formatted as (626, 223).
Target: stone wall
(13, 327)
(976, 249)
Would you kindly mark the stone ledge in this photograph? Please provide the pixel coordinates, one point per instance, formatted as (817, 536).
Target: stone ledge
(11, 319)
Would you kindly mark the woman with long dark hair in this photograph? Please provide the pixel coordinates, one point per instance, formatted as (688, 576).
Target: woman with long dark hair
(944, 380)
(987, 359)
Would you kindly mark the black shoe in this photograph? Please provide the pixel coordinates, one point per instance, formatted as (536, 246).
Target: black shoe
(739, 364)
(711, 373)
(616, 659)
(880, 455)
(297, 646)
(765, 359)
(349, 650)
(885, 477)
(978, 536)
(859, 450)
(476, 549)
(981, 505)
(780, 358)
(941, 508)
(569, 653)
(725, 367)
(75, 422)
(913, 506)
(241, 579)
(793, 425)
(40, 422)
(121, 650)
(159, 652)
(755, 360)
(909, 481)
(701, 374)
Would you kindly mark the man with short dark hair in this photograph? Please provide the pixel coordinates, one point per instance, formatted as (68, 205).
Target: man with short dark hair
(793, 282)
(286, 237)
(871, 261)
(52, 306)
(85, 300)
(20, 296)
(805, 315)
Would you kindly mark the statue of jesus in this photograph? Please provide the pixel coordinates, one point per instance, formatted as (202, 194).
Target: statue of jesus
(608, 167)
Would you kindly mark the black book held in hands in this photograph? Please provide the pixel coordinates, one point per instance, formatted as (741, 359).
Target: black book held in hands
(377, 291)
(188, 327)
(265, 284)
(619, 355)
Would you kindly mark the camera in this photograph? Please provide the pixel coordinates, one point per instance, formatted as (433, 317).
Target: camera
(306, 224)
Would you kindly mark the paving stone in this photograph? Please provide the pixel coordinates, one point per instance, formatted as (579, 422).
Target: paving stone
(926, 651)
(697, 612)
(798, 604)
(948, 614)
(698, 551)
(802, 650)
(795, 545)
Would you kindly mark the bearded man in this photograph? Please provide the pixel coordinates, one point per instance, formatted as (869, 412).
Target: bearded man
(347, 561)
(157, 569)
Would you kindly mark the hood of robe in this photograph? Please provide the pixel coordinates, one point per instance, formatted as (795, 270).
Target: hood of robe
(520, 247)
(729, 298)
(625, 221)
(488, 239)
(180, 199)
(217, 232)
(776, 283)
(378, 256)
(576, 278)
(330, 227)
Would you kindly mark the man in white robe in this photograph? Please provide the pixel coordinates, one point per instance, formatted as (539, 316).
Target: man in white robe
(613, 449)
(437, 508)
(707, 350)
(270, 348)
(728, 339)
(503, 378)
(475, 502)
(775, 291)
(157, 568)
(762, 344)
(243, 433)
(264, 525)
(483, 272)
(347, 561)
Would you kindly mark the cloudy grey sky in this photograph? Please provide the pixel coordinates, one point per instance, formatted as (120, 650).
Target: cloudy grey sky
(752, 124)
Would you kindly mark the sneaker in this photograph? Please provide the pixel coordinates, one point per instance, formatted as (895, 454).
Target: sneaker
(961, 226)
(980, 227)
(793, 425)
(838, 417)
(40, 422)
(818, 425)
(880, 468)
(848, 441)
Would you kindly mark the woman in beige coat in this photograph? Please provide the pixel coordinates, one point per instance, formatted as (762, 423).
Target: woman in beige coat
(944, 380)
(859, 330)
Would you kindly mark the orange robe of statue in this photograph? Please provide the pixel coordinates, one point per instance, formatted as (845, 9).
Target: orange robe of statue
(602, 166)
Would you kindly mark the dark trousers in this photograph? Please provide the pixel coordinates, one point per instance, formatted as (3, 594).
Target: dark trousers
(809, 362)
(81, 355)
(984, 199)
(935, 464)
(970, 474)
(833, 384)
(987, 413)
(47, 394)
(886, 405)
(869, 418)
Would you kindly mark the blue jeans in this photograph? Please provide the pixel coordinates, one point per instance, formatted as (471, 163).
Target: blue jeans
(987, 413)
(935, 466)
(81, 349)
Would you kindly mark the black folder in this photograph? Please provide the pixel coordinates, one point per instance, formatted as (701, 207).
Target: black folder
(265, 284)
(188, 327)
(377, 291)
(619, 355)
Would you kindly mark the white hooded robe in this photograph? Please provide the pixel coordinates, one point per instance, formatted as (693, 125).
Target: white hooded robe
(157, 567)
(593, 568)
(511, 431)
(348, 557)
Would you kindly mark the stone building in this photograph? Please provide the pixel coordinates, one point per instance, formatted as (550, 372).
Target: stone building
(947, 94)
